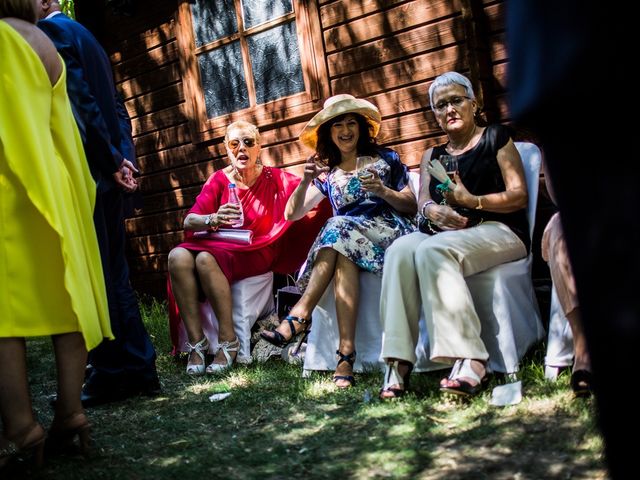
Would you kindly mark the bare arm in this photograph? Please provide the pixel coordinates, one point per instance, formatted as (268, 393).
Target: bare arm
(514, 197)
(224, 217)
(306, 195)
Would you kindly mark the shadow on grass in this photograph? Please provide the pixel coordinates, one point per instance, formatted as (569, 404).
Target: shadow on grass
(277, 425)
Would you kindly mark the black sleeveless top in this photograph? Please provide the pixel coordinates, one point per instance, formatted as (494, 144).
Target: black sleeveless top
(479, 171)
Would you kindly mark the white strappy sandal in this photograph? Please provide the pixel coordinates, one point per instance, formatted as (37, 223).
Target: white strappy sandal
(226, 347)
(201, 348)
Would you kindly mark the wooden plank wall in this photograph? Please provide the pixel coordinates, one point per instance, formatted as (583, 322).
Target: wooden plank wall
(387, 51)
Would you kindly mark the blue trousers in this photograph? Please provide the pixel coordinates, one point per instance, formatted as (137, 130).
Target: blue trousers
(130, 358)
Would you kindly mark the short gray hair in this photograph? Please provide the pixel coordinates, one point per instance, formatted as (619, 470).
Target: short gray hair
(243, 124)
(451, 78)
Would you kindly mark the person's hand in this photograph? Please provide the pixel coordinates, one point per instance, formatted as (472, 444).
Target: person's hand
(371, 183)
(124, 176)
(228, 214)
(312, 169)
(459, 195)
(445, 217)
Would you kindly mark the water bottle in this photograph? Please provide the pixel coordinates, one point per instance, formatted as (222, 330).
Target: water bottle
(233, 198)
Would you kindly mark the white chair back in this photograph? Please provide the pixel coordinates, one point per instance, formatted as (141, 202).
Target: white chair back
(531, 161)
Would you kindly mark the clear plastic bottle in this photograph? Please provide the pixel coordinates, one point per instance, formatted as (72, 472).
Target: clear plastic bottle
(233, 198)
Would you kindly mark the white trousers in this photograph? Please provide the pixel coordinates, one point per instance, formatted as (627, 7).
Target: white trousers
(430, 270)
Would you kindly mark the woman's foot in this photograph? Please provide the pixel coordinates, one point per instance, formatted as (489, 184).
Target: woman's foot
(196, 363)
(468, 377)
(225, 356)
(29, 440)
(343, 378)
(289, 328)
(64, 431)
(581, 382)
(396, 379)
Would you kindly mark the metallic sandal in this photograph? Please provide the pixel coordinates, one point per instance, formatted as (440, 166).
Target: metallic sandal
(226, 347)
(201, 348)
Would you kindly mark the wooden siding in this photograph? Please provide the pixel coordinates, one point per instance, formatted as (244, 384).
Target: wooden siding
(388, 51)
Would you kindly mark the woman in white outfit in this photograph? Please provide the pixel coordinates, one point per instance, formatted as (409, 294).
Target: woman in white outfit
(471, 223)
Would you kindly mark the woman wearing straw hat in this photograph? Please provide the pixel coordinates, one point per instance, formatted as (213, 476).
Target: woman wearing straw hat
(370, 212)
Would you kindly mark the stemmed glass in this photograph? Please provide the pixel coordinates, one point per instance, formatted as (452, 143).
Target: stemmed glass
(450, 164)
(361, 171)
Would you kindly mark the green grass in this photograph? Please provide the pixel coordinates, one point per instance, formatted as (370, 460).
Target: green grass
(277, 425)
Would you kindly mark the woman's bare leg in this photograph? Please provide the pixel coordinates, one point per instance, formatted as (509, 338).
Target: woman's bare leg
(582, 360)
(15, 398)
(218, 291)
(321, 274)
(71, 359)
(347, 294)
(182, 270)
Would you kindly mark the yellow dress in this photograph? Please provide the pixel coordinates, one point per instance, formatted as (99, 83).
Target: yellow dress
(51, 278)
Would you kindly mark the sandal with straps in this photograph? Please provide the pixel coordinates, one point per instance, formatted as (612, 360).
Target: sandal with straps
(201, 348)
(462, 369)
(350, 359)
(392, 377)
(63, 432)
(279, 340)
(226, 347)
(29, 440)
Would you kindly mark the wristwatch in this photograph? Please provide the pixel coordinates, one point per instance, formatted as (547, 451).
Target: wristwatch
(207, 221)
(479, 206)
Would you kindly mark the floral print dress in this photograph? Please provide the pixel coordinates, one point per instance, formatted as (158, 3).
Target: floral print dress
(361, 231)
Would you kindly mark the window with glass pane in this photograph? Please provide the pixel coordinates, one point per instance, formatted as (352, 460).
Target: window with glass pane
(247, 52)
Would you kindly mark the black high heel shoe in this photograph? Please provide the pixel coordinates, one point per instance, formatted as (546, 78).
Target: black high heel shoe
(350, 359)
(392, 377)
(581, 381)
(279, 340)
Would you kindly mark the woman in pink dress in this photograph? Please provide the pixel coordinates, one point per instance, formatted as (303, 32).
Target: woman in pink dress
(206, 266)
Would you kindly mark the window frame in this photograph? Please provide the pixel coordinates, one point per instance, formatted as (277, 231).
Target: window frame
(312, 59)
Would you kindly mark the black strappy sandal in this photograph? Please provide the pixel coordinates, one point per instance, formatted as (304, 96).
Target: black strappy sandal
(392, 377)
(279, 340)
(350, 359)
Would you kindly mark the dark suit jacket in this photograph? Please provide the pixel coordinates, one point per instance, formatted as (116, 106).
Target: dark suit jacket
(93, 97)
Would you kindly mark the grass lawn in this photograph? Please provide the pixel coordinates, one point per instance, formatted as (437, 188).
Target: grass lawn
(277, 425)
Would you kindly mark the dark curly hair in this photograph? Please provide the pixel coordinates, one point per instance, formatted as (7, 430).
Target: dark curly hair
(329, 153)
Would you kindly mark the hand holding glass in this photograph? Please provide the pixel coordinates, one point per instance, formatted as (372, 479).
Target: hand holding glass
(450, 164)
(363, 174)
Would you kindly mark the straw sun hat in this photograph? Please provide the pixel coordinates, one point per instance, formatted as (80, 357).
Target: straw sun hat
(336, 106)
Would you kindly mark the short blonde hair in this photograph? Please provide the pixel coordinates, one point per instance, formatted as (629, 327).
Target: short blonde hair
(244, 125)
(23, 9)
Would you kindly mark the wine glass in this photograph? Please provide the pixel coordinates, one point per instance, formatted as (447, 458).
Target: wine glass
(361, 171)
(450, 164)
